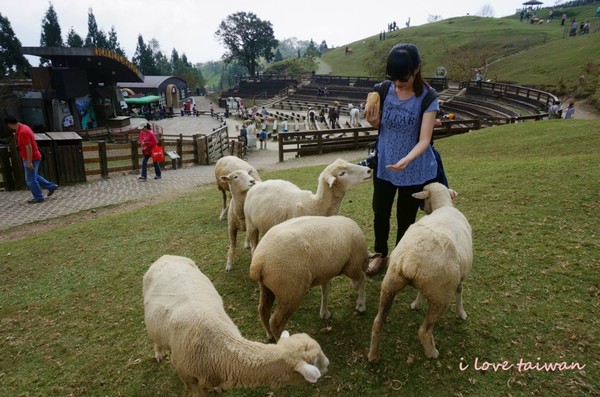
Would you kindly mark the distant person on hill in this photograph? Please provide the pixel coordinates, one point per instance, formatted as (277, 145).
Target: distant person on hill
(478, 79)
(570, 111)
(563, 19)
(522, 15)
(597, 13)
(555, 111)
(573, 28)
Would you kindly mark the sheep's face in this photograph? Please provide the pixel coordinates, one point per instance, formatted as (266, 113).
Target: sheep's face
(435, 195)
(344, 175)
(239, 180)
(312, 362)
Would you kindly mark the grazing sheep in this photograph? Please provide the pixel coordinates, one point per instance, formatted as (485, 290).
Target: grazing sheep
(275, 201)
(301, 253)
(184, 314)
(434, 255)
(224, 166)
(240, 182)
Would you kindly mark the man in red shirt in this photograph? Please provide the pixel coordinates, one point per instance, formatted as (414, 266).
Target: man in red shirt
(31, 160)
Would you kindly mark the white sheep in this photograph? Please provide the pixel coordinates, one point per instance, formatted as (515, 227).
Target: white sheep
(301, 253)
(224, 166)
(184, 314)
(435, 255)
(276, 200)
(240, 182)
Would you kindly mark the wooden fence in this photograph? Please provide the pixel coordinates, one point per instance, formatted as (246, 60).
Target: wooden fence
(310, 142)
(516, 93)
(102, 158)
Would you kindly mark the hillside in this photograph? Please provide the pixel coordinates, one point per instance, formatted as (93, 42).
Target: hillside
(546, 53)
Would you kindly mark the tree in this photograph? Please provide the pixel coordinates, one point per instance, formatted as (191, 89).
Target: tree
(95, 37)
(323, 47)
(312, 50)
(12, 62)
(73, 39)
(160, 64)
(247, 39)
(278, 56)
(144, 58)
(473, 56)
(376, 59)
(51, 34)
(487, 11)
(289, 47)
(113, 42)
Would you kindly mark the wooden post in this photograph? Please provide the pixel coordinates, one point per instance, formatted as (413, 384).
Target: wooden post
(203, 150)
(7, 173)
(17, 165)
(196, 149)
(135, 158)
(180, 150)
(161, 142)
(103, 159)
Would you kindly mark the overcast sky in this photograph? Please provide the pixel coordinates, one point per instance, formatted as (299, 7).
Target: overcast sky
(189, 25)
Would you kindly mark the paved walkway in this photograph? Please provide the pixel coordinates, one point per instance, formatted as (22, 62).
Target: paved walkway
(121, 188)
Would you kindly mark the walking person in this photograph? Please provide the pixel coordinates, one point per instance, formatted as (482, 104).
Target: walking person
(570, 111)
(406, 161)
(147, 142)
(32, 158)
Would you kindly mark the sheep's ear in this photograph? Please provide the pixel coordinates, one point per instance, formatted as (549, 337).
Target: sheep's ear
(330, 180)
(453, 194)
(421, 195)
(310, 372)
(284, 334)
(225, 178)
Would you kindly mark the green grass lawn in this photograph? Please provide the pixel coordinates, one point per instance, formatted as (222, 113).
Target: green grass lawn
(71, 303)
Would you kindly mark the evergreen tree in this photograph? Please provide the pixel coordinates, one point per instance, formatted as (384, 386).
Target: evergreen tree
(144, 58)
(247, 39)
(278, 56)
(51, 34)
(73, 39)
(12, 62)
(113, 42)
(311, 51)
(95, 37)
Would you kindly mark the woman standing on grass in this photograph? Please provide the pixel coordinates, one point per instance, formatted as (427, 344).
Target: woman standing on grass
(406, 161)
(147, 142)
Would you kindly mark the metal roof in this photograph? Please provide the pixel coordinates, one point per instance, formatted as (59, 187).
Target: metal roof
(102, 65)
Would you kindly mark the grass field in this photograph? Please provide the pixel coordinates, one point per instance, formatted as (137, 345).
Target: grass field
(72, 315)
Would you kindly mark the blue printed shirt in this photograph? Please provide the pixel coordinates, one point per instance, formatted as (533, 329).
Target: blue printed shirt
(398, 134)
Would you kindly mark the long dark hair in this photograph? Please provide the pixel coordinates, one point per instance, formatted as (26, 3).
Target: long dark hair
(403, 60)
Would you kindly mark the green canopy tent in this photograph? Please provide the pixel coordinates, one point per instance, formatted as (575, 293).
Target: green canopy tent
(143, 100)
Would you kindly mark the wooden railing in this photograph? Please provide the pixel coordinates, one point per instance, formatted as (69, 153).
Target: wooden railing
(529, 95)
(310, 142)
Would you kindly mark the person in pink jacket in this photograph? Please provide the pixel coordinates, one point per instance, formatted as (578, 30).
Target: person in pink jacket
(147, 142)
